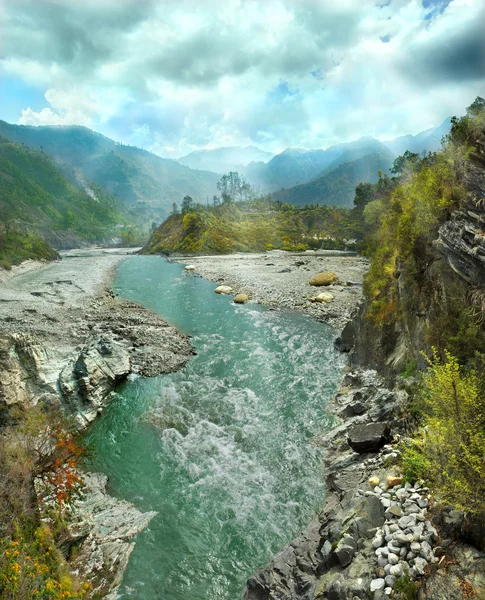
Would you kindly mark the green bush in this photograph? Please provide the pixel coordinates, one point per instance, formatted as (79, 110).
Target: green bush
(454, 444)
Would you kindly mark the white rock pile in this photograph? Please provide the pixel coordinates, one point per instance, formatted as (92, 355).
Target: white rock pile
(404, 544)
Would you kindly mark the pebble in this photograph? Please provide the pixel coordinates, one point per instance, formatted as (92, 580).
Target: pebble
(377, 584)
(404, 543)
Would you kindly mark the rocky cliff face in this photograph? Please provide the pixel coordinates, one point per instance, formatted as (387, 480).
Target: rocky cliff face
(22, 379)
(452, 269)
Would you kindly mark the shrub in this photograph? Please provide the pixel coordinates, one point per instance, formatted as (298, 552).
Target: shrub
(454, 445)
(39, 446)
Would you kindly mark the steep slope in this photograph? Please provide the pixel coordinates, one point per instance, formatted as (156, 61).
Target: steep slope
(134, 175)
(225, 159)
(337, 186)
(36, 197)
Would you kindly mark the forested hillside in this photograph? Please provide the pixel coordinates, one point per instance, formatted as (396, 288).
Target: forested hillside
(337, 186)
(37, 199)
(136, 176)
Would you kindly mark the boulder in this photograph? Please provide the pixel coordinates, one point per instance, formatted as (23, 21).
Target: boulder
(326, 278)
(223, 289)
(323, 297)
(189, 268)
(241, 298)
(87, 381)
(345, 550)
(369, 437)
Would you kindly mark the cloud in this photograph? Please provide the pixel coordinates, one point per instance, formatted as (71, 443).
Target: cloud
(177, 75)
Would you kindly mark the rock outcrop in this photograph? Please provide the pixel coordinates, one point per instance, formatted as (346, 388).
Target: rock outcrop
(101, 528)
(87, 381)
(22, 382)
(123, 338)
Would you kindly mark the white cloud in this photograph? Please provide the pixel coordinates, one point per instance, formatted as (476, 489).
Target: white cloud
(174, 76)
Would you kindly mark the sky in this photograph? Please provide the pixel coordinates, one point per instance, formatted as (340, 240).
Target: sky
(174, 76)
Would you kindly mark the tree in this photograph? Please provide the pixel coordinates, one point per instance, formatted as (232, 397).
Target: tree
(187, 204)
(234, 187)
(408, 160)
(175, 209)
(476, 108)
(364, 193)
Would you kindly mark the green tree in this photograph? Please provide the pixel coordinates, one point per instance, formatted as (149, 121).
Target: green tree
(233, 187)
(175, 209)
(455, 439)
(407, 161)
(187, 204)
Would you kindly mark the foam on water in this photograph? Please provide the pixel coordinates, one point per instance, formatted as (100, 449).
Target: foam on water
(222, 448)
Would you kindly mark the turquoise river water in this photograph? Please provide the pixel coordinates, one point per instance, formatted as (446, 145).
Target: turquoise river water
(222, 449)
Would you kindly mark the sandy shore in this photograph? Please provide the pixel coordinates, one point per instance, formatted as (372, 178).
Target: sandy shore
(280, 279)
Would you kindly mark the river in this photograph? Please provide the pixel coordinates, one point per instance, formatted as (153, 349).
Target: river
(222, 449)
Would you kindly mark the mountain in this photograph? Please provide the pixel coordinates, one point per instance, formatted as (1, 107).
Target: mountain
(425, 141)
(294, 166)
(337, 186)
(134, 175)
(37, 198)
(225, 159)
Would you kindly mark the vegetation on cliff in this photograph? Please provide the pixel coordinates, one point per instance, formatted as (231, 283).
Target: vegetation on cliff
(409, 280)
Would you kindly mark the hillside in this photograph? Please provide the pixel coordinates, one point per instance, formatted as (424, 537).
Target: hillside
(337, 186)
(36, 197)
(251, 227)
(225, 159)
(134, 175)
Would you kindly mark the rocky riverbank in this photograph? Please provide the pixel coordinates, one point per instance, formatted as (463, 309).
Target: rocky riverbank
(66, 341)
(375, 537)
(281, 280)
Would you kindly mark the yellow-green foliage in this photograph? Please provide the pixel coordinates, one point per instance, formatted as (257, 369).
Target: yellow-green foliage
(406, 217)
(251, 227)
(16, 247)
(454, 439)
(31, 565)
(402, 221)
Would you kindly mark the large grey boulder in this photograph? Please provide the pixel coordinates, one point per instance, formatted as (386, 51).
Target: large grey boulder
(369, 437)
(86, 382)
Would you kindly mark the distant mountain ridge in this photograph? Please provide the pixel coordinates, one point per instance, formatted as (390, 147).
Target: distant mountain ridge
(337, 186)
(330, 176)
(134, 175)
(224, 159)
(425, 141)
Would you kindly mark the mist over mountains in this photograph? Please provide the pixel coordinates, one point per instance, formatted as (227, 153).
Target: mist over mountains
(136, 187)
